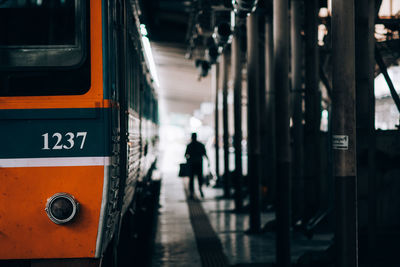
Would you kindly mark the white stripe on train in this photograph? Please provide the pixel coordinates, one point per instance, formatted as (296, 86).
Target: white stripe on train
(55, 162)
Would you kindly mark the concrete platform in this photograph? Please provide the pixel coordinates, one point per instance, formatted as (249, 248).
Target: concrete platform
(176, 241)
(180, 242)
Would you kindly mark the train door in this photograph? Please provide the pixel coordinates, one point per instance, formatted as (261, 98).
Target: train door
(116, 74)
(122, 89)
(115, 110)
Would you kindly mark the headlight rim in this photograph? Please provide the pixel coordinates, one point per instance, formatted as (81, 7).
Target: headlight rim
(70, 198)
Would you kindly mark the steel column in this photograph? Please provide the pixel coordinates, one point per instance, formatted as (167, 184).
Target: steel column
(344, 132)
(365, 109)
(237, 89)
(253, 120)
(281, 68)
(216, 113)
(225, 80)
(297, 98)
(312, 107)
(270, 109)
(262, 108)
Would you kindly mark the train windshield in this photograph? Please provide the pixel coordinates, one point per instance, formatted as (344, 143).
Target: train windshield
(41, 33)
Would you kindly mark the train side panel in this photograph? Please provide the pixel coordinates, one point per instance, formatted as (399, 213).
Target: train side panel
(78, 144)
(52, 144)
(27, 232)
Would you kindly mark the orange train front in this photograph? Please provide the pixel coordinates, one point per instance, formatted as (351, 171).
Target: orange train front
(71, 112)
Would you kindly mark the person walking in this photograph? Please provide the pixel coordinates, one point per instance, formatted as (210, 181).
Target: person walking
(195, 151)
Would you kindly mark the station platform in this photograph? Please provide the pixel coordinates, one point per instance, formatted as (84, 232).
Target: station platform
(206, 231)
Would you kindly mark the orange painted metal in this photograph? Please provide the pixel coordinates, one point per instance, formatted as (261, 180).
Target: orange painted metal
(25, 230)
(93, 98)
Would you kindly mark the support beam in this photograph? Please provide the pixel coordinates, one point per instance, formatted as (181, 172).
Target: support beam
(262, 105)
(225, 80)
(344, 132)
(297, 100)
(253, 120)
(365, 113)
(270, 108)
(216, 113)
(281, 68)
(237, 90)
(312, 109)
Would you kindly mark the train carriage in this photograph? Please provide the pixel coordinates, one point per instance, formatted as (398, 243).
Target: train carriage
(73, 78)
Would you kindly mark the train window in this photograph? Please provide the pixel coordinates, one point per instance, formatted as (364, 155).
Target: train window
(43, 47)
(41, 33)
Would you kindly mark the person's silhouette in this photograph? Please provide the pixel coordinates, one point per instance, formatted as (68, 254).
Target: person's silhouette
(194, 155)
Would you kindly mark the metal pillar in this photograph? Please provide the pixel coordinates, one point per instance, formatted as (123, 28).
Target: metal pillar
(224, 63)
(270, 109)
(262, 102)
(237, 89)
(216, 90)
(312, 107)
(281, 68)
(297, 98)
(253, 120)
(344, 132)
(365, 108)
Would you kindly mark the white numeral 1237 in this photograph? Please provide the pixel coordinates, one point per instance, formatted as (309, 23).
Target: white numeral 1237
(63, 142)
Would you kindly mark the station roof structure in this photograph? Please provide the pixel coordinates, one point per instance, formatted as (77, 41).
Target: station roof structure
(178, 29)
(180, 89)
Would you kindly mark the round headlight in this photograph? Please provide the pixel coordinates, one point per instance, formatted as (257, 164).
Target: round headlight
(61, 208)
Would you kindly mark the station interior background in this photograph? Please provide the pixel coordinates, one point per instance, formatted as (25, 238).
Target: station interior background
(187, 100)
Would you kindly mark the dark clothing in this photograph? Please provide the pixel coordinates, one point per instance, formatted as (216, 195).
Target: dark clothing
(195, 152)
(196, 170)
(194, 155)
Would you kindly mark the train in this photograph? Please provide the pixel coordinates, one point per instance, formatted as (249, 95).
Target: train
(79, 129)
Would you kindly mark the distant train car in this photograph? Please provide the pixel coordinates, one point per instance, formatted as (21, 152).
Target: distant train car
(79, 128)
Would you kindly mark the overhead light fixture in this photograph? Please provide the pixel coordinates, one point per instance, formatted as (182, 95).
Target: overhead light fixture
(143, 30)
(148, 54)
(212, 54)
(244, 7)
(212, 51)
(222, 33)
(203, 66)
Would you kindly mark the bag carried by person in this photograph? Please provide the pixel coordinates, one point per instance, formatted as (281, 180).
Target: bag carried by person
(184, 170)
(209, 179)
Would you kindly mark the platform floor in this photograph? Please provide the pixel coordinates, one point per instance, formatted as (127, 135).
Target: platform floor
(206, 232)
(177, 242)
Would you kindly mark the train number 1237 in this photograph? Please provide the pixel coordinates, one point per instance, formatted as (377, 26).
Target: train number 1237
(67, 141)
